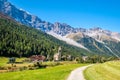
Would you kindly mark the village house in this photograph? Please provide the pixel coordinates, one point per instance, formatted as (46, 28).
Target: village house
(37, 58)
(84, 58)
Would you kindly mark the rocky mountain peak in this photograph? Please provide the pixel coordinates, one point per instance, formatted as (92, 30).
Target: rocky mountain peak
(96, 28)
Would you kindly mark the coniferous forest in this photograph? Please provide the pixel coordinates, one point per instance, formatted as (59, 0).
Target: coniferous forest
(21, 41)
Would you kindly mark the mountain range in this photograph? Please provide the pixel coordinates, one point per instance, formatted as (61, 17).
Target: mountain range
(95, 40)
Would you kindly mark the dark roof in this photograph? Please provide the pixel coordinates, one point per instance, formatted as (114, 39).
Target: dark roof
(37, 57)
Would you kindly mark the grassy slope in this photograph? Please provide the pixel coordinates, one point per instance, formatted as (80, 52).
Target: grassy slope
(105, 71)
(3, 61)
(52, 73)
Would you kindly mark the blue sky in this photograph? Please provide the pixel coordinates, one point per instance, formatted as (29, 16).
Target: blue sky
(77, 13)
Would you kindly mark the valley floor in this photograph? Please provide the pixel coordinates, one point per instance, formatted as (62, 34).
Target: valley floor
(105, 71)
(59, 72)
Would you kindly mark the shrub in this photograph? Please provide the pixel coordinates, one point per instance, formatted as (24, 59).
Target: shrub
(1, 68)
(32, 68)
(23, 68)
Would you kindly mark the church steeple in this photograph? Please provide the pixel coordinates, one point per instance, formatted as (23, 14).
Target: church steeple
(57, 56)
(59, 52)
(59, 49)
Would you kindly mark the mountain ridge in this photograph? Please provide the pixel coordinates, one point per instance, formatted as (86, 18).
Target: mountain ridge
(95, 39)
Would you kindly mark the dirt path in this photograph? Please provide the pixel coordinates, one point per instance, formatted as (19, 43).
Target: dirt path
(77, 74)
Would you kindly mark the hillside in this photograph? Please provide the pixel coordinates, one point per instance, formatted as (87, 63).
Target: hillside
(19, 40)
(98, 40)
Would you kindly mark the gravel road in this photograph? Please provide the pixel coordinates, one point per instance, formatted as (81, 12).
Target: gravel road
(77, 74)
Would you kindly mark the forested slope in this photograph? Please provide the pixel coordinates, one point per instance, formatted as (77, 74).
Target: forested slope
(20, 40)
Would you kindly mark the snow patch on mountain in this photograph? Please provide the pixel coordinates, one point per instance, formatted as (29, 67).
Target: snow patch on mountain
(25, 11)
(67, 40)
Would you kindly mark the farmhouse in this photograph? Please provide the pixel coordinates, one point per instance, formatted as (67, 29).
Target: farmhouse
(84, 58)
(37, 58)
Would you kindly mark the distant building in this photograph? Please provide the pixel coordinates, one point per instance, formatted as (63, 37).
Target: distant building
(57, 56)
(37, 58)
(66, 57)
(69, 57)
(84, 58)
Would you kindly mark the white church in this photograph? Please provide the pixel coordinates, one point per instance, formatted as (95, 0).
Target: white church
(57, 56)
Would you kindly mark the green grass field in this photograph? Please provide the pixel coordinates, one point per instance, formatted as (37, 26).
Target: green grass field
(60, 72)
(4, 60)
(105, 71)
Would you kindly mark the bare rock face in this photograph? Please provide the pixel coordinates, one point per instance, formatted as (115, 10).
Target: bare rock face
(19, 14)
